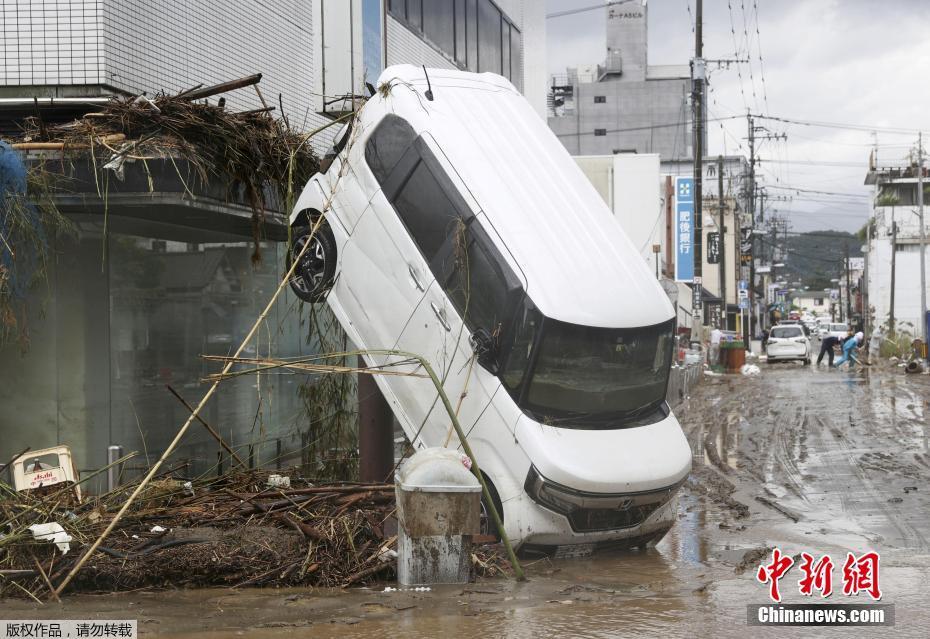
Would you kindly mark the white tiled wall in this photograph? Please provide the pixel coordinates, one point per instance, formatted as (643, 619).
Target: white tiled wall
(46, 42)
(176, 44)
(405, 47)
(170, 45)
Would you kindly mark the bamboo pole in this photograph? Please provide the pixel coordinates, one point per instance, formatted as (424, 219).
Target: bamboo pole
(209, 428)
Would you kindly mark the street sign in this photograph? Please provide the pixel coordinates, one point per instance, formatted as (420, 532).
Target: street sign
(713, 248)
(684, 229)
(744, 303)
(742, 294)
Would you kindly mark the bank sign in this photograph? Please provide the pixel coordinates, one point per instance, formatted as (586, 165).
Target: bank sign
(684, 229)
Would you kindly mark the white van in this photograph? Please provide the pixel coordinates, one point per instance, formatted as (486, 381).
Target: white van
(461, 225)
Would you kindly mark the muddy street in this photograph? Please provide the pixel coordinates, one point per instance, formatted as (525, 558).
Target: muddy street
(798, 458)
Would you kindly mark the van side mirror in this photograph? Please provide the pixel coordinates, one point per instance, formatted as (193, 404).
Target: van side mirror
(485, 348)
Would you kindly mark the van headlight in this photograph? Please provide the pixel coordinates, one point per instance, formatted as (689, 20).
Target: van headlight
(549, 494)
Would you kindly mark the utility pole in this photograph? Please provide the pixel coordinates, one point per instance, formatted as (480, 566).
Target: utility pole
(723, 244)
(697, 98)
(923, 237)
(753, 315)
(848, 291)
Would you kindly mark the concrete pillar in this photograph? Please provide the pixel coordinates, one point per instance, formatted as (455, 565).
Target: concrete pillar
(375, 432)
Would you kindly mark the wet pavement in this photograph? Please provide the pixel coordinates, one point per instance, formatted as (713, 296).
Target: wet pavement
(801, 458)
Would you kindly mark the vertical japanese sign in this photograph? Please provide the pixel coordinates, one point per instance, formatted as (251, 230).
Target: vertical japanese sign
(684, 229)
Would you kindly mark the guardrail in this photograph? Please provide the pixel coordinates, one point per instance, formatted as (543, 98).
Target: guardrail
(683, 378)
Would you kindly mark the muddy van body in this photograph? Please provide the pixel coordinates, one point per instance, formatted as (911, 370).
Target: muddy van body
(460, 228)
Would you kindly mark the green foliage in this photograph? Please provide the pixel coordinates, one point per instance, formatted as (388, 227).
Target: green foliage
(329, 440)
(817, 257)
(32, 225)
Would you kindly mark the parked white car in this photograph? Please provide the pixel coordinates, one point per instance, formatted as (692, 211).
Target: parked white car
(788, 342)
(836, 330)
(466, 190)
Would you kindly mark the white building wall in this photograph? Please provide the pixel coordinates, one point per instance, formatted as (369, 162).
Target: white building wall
(907, 284)
(51, 43)
(631, 187)
(152, 45)
(535, 72)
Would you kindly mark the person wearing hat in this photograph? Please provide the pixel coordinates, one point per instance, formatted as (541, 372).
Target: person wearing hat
(849, 346)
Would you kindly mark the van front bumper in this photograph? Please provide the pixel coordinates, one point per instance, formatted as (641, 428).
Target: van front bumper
(550, 516)
(597, 512)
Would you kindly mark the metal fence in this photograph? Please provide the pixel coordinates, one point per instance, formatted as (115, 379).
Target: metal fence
(681, 380)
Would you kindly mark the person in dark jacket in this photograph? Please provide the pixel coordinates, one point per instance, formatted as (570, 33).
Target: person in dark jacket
(827, 346)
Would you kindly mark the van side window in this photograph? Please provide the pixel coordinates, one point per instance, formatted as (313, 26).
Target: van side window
(426, 211)
(526, 325)
(387, 144)
(474, 281)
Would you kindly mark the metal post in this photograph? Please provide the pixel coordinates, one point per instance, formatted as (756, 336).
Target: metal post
(375, 432)
(866, 313)
(923, 237)
(115, 471)
(723, 243)
(698, 75)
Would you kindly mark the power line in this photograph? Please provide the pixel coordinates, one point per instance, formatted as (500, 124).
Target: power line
(570, 12)
(837, 125)
(644, 128)
(802, 190)
(765, 93)
(736, 55)
(814, 162)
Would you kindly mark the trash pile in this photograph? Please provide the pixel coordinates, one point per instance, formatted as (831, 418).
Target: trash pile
(240, 529)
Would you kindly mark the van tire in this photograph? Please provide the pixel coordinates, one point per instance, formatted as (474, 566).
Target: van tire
(486, 522)
(314, 276)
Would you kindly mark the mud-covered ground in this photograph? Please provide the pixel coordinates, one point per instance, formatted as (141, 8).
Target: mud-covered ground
(801, 458)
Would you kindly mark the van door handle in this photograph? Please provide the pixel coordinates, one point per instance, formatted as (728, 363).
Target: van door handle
(413, 276)
(440, 315)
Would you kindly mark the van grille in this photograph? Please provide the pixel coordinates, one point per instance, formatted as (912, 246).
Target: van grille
(596, 519)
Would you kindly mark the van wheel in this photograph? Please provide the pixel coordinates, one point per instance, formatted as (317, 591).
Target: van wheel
(314, 275)
(486, 522)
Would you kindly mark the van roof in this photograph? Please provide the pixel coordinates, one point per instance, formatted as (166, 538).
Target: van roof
(578, 263)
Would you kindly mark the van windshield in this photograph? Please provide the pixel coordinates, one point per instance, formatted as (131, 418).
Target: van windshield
(784, 332)
(587, 374)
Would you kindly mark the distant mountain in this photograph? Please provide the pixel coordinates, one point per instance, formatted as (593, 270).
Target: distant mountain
(816, 257)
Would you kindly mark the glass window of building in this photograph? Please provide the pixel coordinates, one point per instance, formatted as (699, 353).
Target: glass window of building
(372, 40)
(489, 37)
(439, 24)
(474, 34)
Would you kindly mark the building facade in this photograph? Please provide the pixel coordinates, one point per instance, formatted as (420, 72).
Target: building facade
(895, 256)
(624, 105)
(146, 286)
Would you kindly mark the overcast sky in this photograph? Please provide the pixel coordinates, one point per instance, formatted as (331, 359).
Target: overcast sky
(861, 62)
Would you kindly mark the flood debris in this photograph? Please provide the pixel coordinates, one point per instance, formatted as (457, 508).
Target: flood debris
(256, 159)
(234, 531)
